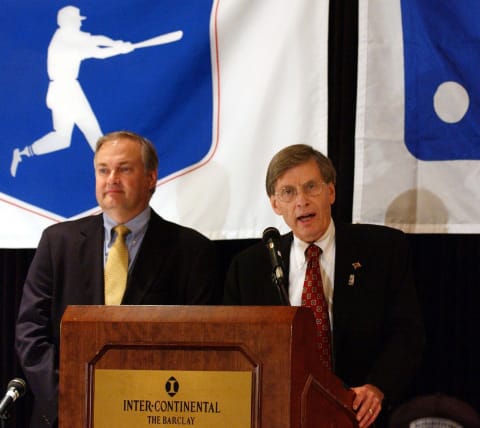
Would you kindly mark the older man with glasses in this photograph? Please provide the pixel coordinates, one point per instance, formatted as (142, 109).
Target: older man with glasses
(370, 328)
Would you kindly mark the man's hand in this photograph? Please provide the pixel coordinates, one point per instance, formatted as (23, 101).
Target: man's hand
(367, 403)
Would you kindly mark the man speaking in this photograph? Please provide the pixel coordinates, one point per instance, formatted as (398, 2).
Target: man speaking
(357, 279)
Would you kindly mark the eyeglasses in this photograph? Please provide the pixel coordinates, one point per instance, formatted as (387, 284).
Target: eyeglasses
(310, 188)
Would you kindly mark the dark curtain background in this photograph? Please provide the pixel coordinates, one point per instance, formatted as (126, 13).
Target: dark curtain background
(447, 267)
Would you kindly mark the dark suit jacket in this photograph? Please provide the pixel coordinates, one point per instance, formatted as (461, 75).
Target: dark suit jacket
(175, 265)
(377, 328)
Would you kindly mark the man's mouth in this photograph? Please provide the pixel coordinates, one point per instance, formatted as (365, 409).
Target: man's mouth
(113, 192)
(305, 217)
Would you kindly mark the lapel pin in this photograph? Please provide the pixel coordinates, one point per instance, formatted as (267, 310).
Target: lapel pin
(351, 278)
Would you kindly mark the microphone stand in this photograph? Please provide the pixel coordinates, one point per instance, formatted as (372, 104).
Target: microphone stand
(282, 292)
(3, 419)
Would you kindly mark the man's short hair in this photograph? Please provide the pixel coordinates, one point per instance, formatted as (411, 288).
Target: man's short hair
(149, 153)
(295, 155)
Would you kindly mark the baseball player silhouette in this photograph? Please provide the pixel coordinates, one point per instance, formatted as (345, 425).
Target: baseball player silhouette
(65, 98)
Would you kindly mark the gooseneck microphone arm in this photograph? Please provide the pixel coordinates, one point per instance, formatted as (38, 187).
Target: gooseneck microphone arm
(271, 238)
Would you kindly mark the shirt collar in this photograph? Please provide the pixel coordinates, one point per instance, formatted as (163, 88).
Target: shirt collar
(136, 224)
(325, 242)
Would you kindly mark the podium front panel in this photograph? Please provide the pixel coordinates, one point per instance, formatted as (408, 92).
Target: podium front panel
(270, 345)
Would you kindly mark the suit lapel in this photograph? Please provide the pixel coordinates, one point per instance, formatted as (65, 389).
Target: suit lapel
(150, 259)
(346, 253)
(285, 246)
(90, 257)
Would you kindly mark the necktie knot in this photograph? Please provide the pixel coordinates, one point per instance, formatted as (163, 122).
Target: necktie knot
(313, 252)
(121, 230)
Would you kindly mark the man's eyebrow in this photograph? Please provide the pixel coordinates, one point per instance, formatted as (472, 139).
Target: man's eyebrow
(119, 163)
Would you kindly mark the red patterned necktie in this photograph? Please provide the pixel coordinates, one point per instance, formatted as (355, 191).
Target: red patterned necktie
(313, 297)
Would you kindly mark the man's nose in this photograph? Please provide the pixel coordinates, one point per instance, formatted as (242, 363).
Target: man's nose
(113, 176)
(300, 196)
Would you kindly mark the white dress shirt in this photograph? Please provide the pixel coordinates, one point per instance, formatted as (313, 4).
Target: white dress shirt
(298, 267)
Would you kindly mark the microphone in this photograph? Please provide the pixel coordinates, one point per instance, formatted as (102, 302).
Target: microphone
(271, 238)
(15, 389)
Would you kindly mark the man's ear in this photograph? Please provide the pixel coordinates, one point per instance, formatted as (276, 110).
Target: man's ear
(153, 176)
(331, 192)
(275, 206)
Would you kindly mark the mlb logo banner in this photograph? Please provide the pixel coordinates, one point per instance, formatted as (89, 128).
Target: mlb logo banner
(442, 58)
(75, 71)
(417, 143)
(218, 86)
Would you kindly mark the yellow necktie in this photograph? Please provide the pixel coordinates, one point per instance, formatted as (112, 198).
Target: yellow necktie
(116, 267)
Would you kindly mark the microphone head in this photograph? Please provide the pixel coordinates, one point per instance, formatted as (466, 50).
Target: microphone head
(270, 233)
(19, 385)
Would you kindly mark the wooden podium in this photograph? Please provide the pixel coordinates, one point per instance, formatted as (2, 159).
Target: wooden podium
(272, 345)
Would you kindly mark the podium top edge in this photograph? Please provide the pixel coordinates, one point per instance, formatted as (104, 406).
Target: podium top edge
(180, 313)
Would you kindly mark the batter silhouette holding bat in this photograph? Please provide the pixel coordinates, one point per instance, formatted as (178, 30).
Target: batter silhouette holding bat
(65, 98)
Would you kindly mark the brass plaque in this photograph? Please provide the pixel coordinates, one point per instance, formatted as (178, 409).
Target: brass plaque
(172, 398)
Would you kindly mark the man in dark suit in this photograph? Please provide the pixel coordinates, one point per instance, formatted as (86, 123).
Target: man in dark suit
(168, 264)
(377, 332)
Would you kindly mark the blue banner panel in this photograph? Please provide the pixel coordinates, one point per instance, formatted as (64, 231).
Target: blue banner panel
(74, 71)
(442, 88)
